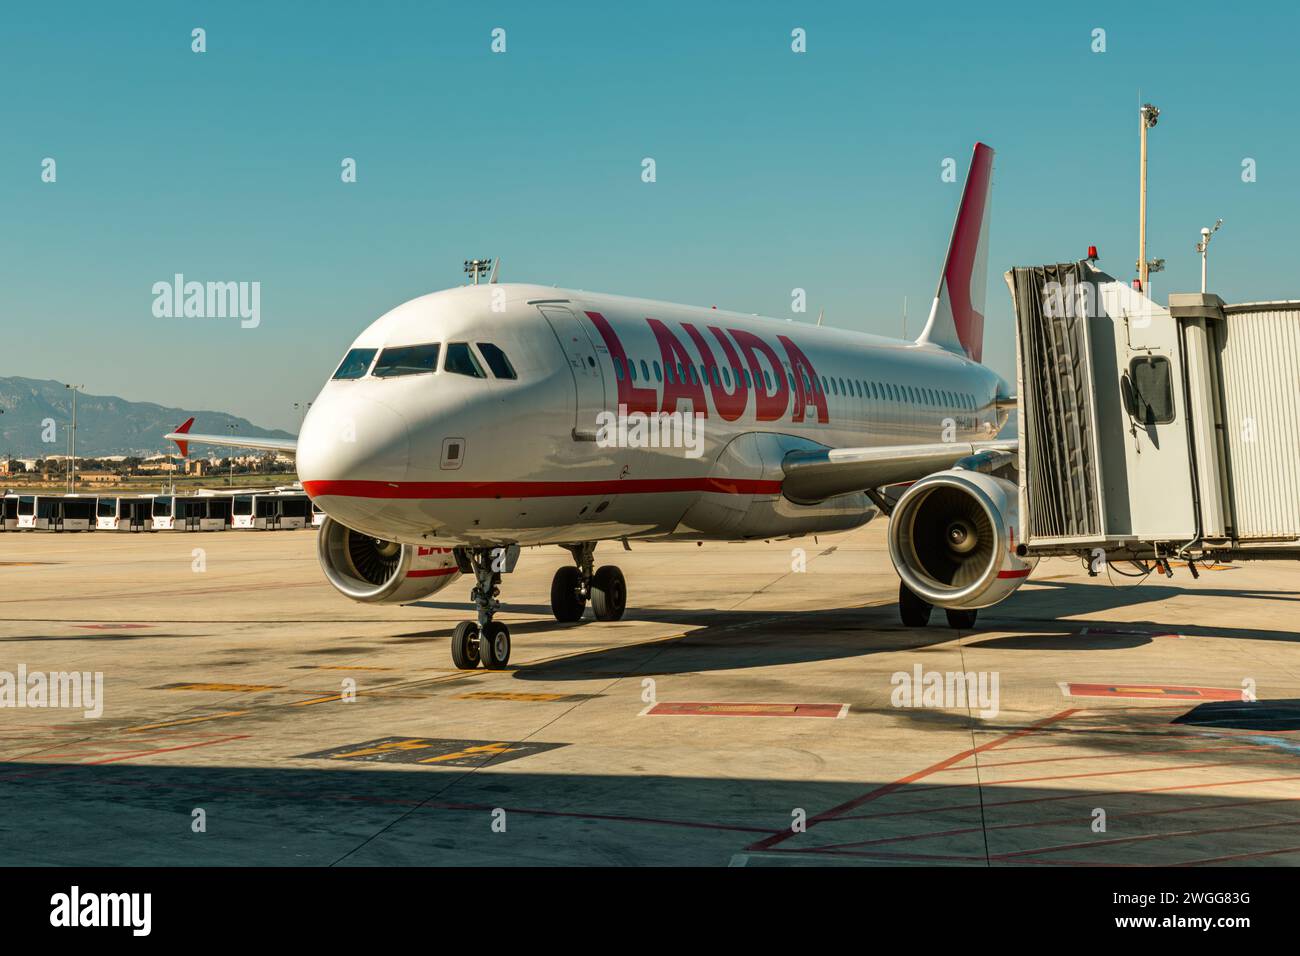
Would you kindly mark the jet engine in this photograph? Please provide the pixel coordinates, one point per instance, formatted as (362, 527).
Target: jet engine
(376, 571)
(953, 536)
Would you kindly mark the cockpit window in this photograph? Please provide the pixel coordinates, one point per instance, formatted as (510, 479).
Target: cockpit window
(407, 360)
(497, 360)
(462, 361)
(355, 363)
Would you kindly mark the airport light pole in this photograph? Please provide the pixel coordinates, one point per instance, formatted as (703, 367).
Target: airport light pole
(1149, 115)
(477, 267)
(72, 441)
(1203, 247)
(231, 428)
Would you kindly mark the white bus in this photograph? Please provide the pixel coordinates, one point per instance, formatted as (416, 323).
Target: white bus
(163, 510)
(201, 512)
(56, 512)
(129, 513)
(9, 513)
(279, 510)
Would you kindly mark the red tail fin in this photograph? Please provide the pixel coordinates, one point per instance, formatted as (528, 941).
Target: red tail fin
(184, 446)
(957, 316)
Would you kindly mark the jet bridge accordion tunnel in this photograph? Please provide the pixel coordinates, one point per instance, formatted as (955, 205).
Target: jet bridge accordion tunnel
(1149, 433)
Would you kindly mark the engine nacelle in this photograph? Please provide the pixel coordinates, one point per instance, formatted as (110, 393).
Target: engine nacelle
(952, 538)
(376, 571)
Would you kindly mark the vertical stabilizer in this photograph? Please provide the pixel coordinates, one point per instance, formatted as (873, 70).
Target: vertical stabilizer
(957, 315)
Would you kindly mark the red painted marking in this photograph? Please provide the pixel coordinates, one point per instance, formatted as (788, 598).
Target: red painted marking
(1236, 857)
(782, 835)
(1089, 795)
(431, 572)
(1128, 753)
(1143, 838)
(1140, 691)
(737, 709)
(1022, 573)
(445, 490)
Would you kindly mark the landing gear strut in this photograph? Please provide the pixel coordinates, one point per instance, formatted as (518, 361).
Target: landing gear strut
(483, 641)
(573, 586)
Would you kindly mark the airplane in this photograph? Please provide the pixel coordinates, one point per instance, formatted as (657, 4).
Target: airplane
(465, 424)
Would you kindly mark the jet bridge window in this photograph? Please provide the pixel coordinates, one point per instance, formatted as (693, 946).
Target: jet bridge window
(497, 361)
(461, 361)
(407, 360)
(355, 363)
(1149, 391)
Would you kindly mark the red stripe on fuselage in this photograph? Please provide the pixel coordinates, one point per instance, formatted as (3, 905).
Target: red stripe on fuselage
(446, 490)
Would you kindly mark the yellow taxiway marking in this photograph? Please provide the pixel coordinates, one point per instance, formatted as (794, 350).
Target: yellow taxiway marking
(341, 667)
(225, 687)
(498, 748)
(415, 743)
(505, 695)
(187, 720)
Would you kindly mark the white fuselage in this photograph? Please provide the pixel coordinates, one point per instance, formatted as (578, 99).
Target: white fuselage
(441, 458)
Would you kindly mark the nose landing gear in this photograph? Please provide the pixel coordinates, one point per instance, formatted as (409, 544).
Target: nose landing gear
(572, 587)
(484, 641)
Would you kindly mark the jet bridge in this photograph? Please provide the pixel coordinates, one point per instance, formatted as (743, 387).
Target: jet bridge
(1149, 433)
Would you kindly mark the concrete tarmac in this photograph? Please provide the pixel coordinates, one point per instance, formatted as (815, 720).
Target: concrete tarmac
(744, 713)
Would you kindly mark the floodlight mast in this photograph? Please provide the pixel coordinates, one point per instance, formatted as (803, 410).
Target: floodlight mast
(1149, 115)
(477, 267)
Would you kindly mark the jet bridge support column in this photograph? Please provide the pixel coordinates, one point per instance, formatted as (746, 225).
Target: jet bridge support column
(1197, 314)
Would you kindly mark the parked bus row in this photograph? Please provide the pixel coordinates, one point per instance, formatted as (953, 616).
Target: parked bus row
(280, 509)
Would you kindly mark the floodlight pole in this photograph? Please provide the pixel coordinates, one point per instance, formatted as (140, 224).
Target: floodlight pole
(72, 442)
(1148, 115)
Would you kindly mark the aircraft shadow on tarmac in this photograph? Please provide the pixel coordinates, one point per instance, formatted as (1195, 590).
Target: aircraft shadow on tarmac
(727, 640)
(367, 814)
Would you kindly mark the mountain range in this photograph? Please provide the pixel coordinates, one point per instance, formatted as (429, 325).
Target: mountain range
(106, 424)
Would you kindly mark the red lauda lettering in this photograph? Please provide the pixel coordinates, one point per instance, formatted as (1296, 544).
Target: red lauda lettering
(803, 397)
(730, 405)
(678, 383)
(636, 398)
(767, 408)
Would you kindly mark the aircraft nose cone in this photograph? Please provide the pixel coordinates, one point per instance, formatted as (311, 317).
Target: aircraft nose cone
(350, 440)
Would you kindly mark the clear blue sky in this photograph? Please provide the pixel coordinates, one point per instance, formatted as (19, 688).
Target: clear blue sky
(775, 170)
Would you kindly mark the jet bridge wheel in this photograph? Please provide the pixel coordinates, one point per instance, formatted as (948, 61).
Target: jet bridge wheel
(913, 611)
(567, 600)
(608, 593)
(465, 646)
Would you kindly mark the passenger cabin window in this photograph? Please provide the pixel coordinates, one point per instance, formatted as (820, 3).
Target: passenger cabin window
(461, 361)
(407, 360)
(497, 361)
(355, 363)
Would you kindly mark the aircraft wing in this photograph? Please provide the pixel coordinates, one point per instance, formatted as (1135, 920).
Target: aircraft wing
(816, 474)
(182, 437)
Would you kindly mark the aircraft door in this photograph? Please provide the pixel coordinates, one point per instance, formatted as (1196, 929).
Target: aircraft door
(588, 379)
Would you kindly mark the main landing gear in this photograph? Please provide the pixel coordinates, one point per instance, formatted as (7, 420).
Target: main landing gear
(572, 587)
(915, 611)
(484, 641)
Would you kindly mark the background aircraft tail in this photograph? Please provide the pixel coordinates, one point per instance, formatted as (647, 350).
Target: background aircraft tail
(957, 315)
